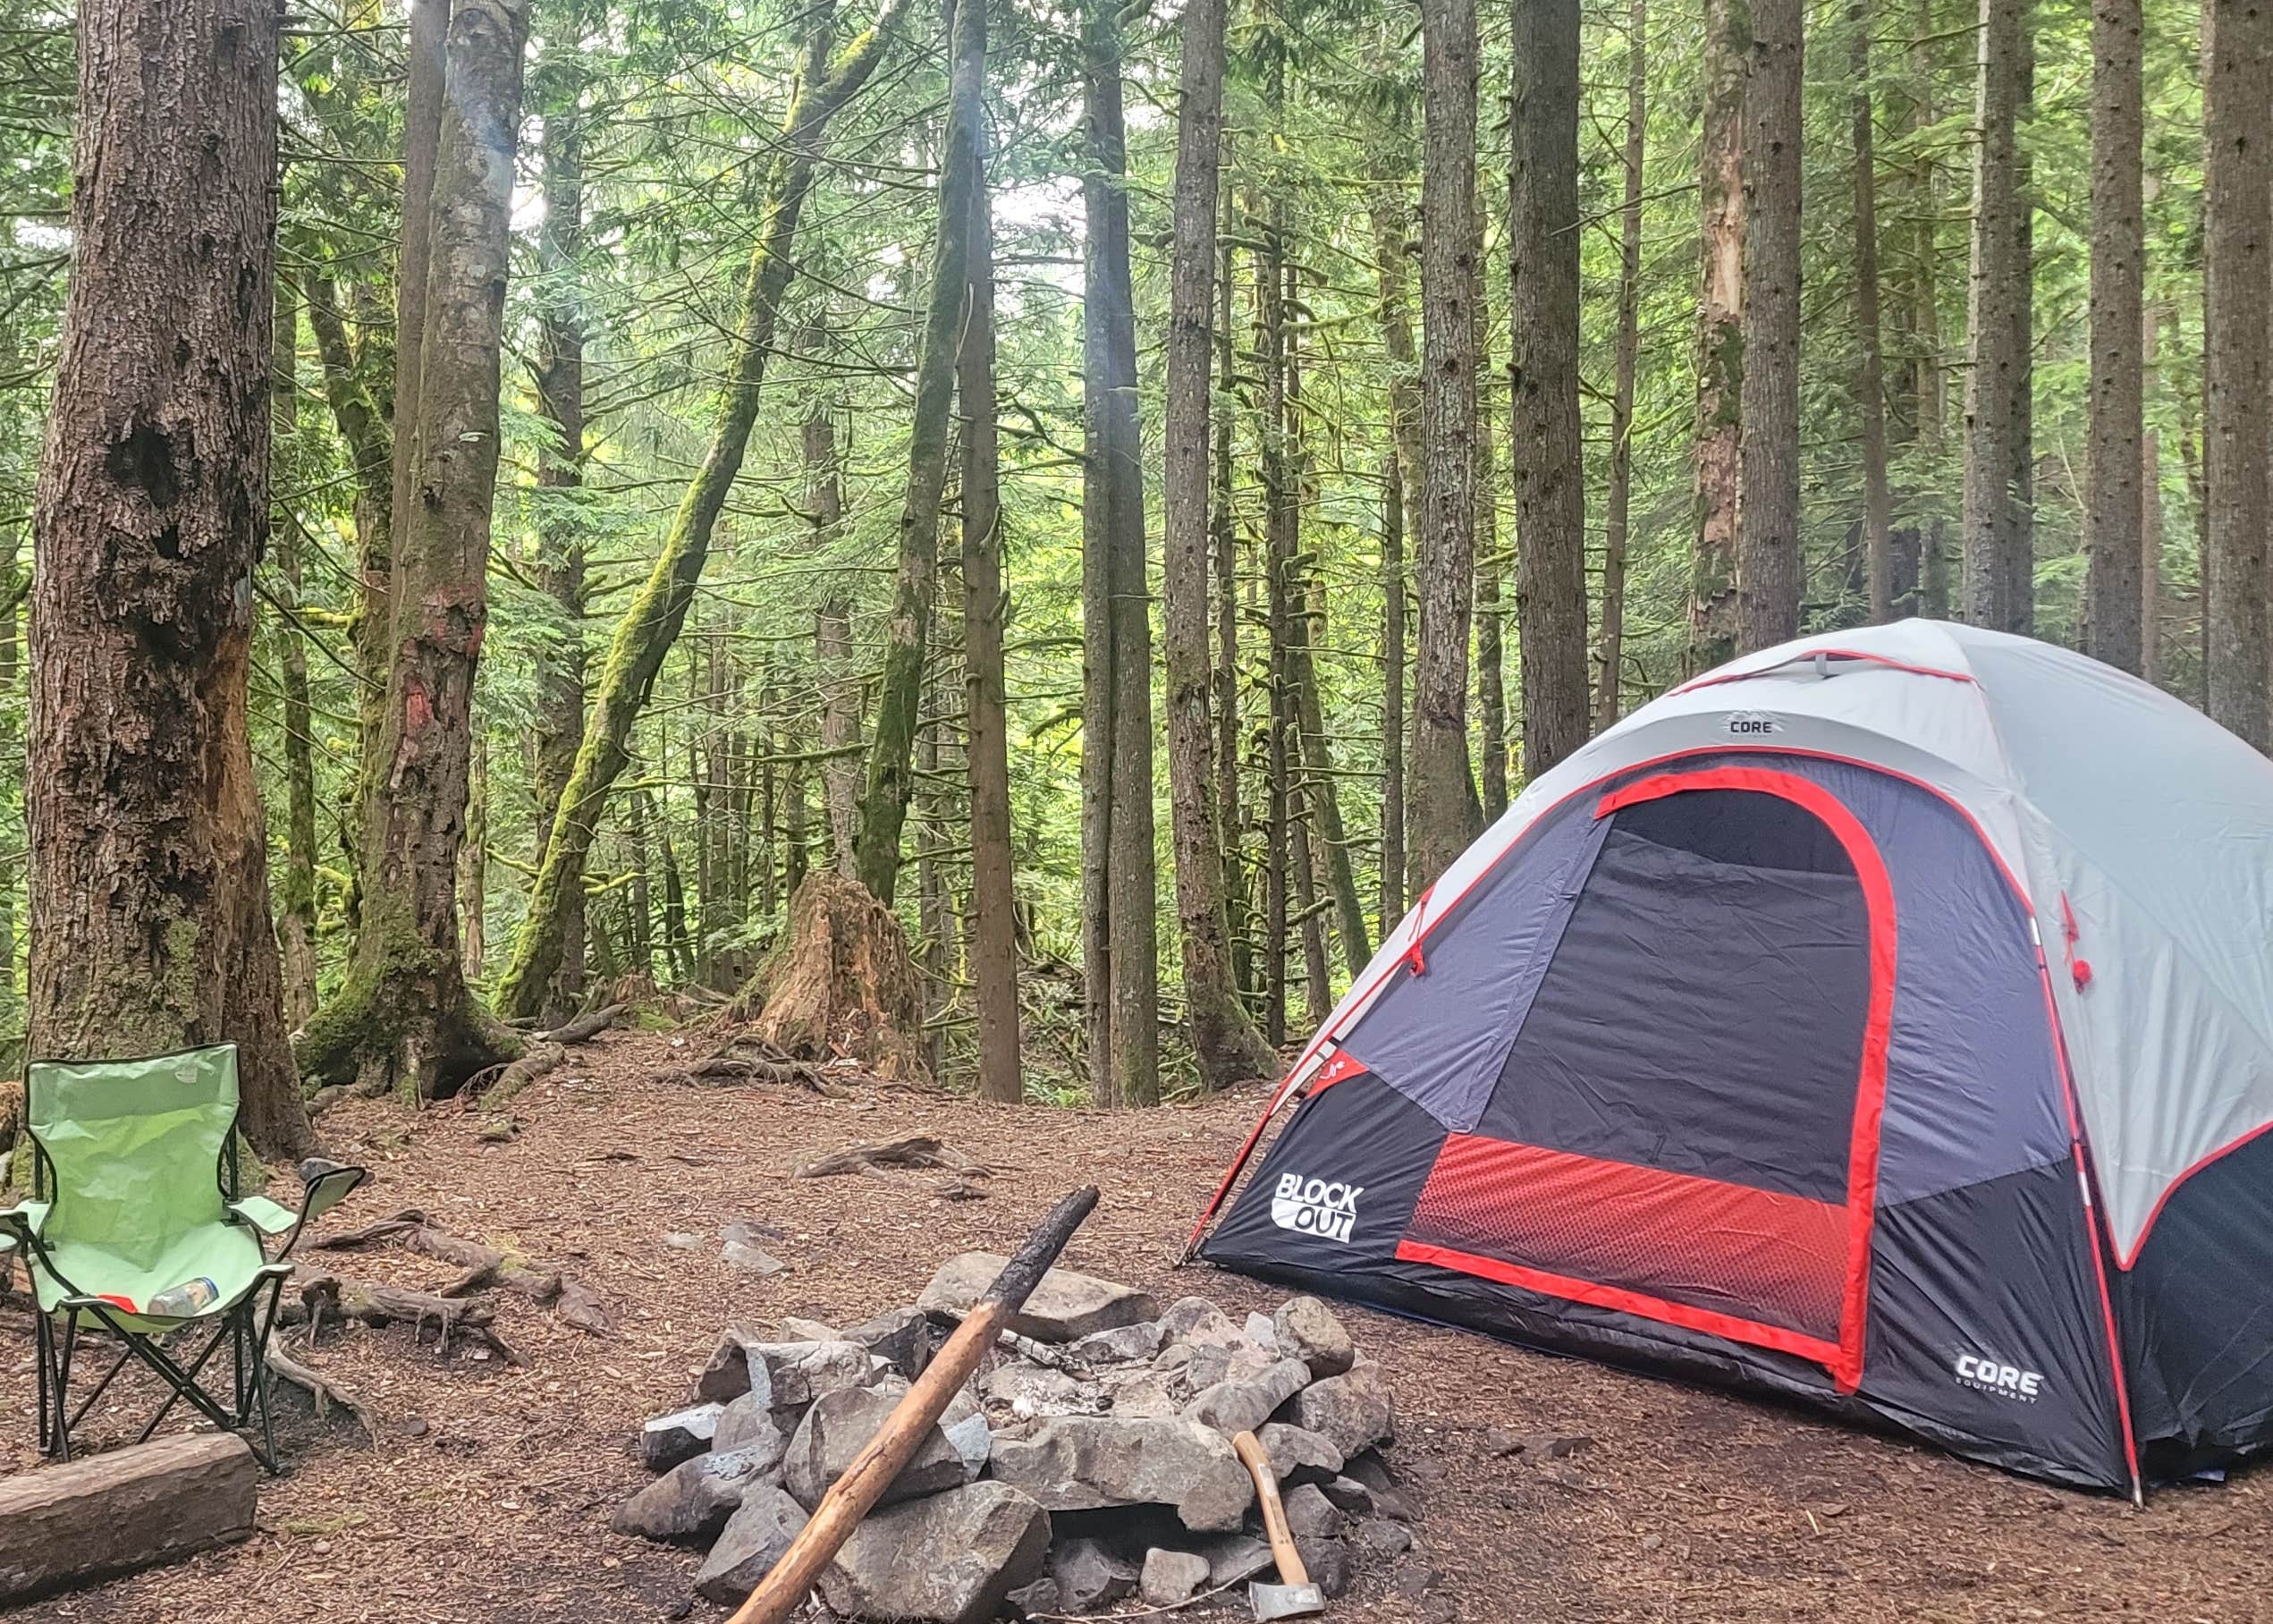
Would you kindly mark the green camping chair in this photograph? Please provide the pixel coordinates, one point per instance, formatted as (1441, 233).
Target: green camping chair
(133, 1225)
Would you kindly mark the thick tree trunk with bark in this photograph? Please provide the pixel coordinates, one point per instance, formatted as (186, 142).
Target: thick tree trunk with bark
(890, 780)
(405, 1014)
(473, 863)
(149, 872)
(1543, 230)
(2237, 372)
(1235, 1055)
(2149, 505)
(1222, 1033)
(1491, 672)
(1444, 814)
(1878, 506)
(651, 625)
(993, 951)
(1279, 517)
(1931, 382)
(1325, 800)
(2111, 498)
(1610, 648)
(1999, 586)
(1768, 551)
(1392, 873)
(833, 632)
(1721, 335)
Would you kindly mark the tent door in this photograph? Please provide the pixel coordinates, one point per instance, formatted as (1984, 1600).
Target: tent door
(1685, 1125)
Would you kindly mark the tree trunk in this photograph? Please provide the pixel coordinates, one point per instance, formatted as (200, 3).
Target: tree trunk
(1998, 587)
(2237, 372)
(473, 862)
(994, 926)
(1491, 675)
(2150, 505)
(1931, 381)
(659, 609)
(1221, 1035)
(1611, 647)
(296, 901)
(1325, 800)
(642, 899)
(833, 637)
(1768, 551)
(1544, 230)
(363, 428)
(149, 851)
(560, 471)
(405, 1013)
(1445, 815)
(1232, 1047)
(1878, 506)
(2111, 502)
(1279, 508)
(883, 801)
(1392, 874)
(1720, 336)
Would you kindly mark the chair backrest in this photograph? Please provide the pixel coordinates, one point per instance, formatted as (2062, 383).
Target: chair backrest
(133, 1148)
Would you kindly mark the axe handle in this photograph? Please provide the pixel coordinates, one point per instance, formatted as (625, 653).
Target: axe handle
(853, 1495)
(1258, 1461)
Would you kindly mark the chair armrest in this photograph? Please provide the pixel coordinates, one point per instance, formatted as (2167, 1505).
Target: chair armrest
(264, 1215)
(326, 1186)
(21, 1224)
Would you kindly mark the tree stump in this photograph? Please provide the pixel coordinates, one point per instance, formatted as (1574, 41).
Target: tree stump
(842, 983)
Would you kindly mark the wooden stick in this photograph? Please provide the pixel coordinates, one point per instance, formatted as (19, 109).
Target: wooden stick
(1258, 1461)
(853, 1495)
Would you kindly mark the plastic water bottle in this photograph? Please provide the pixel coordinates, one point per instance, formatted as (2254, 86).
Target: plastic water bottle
(185, 1301)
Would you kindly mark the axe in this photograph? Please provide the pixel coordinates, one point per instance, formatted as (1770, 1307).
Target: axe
(1294, 1596)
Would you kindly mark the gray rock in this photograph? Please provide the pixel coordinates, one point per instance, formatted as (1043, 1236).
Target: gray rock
(1381, 1537)
(727, 1375)
(1039, 1600)
(1031, 1391)
(1170, 1577)
(740, 1255)
(1306, 1329)
(690, 1502)
(1310, 1515)
(1066, 1306)
(796, 1330)
(1140, 1390)
(1353, 1410)
(1439, 1610)
(748, 1426)
(1211, 1362)
(1388, 1499)
(1260, 1330)
(681, 1435)
(900, 1337)
(1350, 1496)
(1233, 1559)
(1293, 1450)
(1328, 1561)
(840, 1425)
(1076, 1463)
(964, 1425)
(1413, 1581)
(947, 1559)
(752, 1542)
(1536, 1446)
(1238, 1405)
(1089, 1576)
(801, 1371)
(1122, 1345)
(1195, 1321)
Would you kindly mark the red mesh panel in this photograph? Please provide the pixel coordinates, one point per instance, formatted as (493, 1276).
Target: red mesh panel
(1727, 1249)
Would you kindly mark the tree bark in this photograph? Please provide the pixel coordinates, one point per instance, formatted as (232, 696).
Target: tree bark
(832, 635)
(2150, 530)
(1325, 800)
(992, 946)
(1445, 815)
(1492, 665)
(1720, 336)
(560, 471)
(1998, 583)
(1620, 501)
(1878, 505)
(2112, 603)
(1392, 873)
(1223, 1038)
(1544, 230)
(1931, 384)
(405, 1014)
(889, 779)
(149, 851)
(1220, 986)
(651, 625)
(1278, 547)
(473, 862)
(2237, 372)
(1768, 550)
(296, 898)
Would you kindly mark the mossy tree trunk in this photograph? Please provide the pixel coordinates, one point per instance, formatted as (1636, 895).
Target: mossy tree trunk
(405, 1015)
(1721, 335)
(149, 866)
(652, 624)
(891, 750)
(296, 910)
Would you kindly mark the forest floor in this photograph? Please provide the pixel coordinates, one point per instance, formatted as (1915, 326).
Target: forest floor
(485, 1498)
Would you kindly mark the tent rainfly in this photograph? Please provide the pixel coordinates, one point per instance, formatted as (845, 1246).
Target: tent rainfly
(1884, 1019)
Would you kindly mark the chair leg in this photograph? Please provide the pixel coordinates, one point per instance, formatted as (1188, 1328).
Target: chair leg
(63, 1385)
(43, 1345)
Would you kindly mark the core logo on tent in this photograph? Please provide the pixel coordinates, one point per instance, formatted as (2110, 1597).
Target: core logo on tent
(1313, 1206)
(2005, 1380)
(1752, 725)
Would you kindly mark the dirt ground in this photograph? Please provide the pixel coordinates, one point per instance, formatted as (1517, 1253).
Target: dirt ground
(485, 1498)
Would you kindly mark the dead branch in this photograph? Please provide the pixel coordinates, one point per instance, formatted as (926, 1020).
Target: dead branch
(917, 1150)
(585, 1025)
(325, 1296)
(1041, 1353)
(576, 1304)
(322, 1389)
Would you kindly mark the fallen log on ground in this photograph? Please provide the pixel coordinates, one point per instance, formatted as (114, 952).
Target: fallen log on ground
(918, 1150)
(325, 1296)
(584, 1026)
(576, 1305)
(910, 1425)
(129, 1508)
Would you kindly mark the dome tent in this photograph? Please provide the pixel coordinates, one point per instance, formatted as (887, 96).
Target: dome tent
(1884, 1019)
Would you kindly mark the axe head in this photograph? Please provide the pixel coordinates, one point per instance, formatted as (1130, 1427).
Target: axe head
(1284, 1600)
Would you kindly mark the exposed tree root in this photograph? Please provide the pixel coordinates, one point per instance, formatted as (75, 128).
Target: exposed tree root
(322, 1389)
(325, 1296)
(495, 1088)
(918, 1150)
(586, 1026)
(576, 1304)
